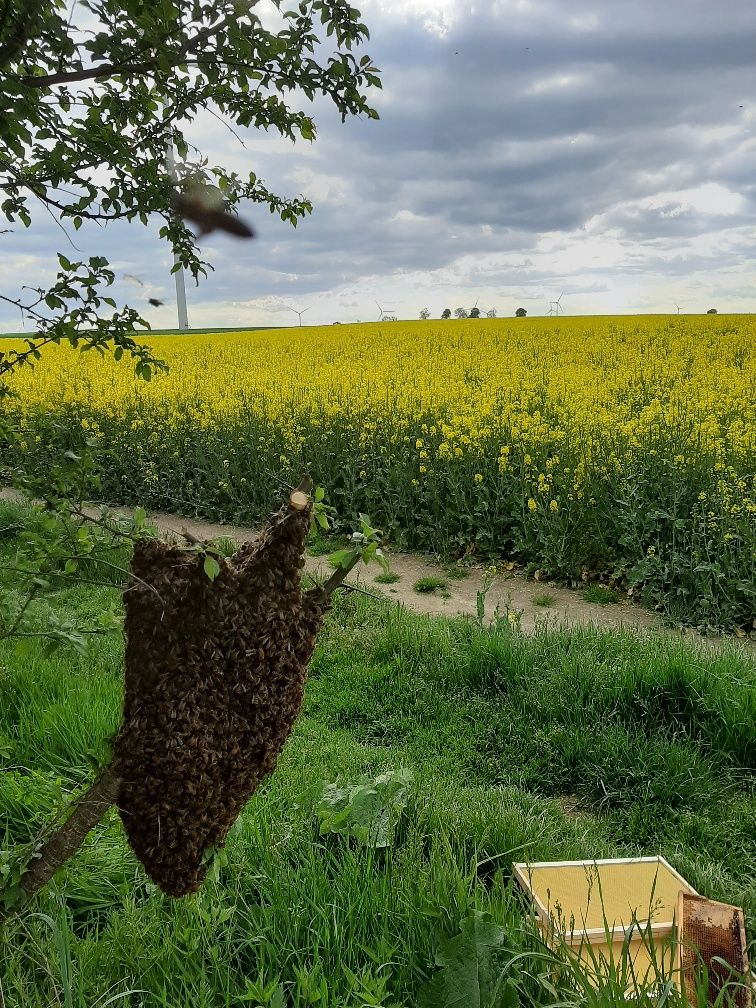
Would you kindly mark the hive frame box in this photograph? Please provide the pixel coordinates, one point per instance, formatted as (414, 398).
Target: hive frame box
(620, 910)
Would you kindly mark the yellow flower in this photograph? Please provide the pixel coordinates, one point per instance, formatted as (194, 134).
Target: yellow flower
(478, 477)
(553, 506)
(532, 506)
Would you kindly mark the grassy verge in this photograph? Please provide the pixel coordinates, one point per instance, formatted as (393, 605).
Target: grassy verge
(566, 745)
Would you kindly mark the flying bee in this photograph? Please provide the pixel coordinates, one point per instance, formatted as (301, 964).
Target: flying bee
(155, 303)
(204, 206)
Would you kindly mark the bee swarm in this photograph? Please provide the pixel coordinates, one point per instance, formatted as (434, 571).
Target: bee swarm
(215, 674)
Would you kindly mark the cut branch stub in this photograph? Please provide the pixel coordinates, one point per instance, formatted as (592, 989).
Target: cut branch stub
(214, 681)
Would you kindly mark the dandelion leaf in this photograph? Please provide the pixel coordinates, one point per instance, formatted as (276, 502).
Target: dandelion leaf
(471, 970)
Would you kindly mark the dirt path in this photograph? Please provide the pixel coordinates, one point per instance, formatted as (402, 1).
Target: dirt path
(510, 591)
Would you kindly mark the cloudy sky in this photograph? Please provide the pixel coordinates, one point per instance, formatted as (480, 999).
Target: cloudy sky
(525, 148)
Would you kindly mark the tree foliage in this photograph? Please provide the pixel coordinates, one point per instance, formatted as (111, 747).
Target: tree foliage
(474, 313)
(446, 313)
(521, 312)
(92, 93)
(460, 313)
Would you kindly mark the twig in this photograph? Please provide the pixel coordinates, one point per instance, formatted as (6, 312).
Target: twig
(47, 635)
(102, 524)
(186, 534)
(20, 615)
(335, 580)
(126, 69)
(129, 574)
(94, 560)
(362, 591)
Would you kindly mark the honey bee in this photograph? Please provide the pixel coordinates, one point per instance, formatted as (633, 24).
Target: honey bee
(204, 206)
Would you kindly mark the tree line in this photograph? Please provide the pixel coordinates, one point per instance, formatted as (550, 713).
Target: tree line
(463, 313)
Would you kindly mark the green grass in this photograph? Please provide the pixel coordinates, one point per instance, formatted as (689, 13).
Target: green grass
(389, 578)
(457, 571)
(430, 584)
(544, 601)
(602, 595)
(653, 738)
(321, 544)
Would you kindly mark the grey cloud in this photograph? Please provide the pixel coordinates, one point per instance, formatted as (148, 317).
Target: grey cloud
(563, 119)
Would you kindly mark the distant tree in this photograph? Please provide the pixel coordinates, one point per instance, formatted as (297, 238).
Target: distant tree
(425, 314)
(521, 312)
(446, 313)
(491, 313)
(712, 311)
(460, 313)
(474, 313)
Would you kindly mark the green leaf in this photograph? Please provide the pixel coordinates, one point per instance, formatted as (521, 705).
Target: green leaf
(383, 562)
(211, 567)
(341, 558)
(369, 810)
(472, 969)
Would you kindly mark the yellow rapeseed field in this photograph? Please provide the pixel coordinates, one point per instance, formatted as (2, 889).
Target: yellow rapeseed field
(540, 378)
(536, 431)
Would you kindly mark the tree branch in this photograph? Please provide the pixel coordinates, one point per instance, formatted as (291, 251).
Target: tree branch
(67, 838)
(125, 68)
(339, 575)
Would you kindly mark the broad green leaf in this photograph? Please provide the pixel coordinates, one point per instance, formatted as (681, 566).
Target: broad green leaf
(341, 558)
(211, 567)
(472, 969)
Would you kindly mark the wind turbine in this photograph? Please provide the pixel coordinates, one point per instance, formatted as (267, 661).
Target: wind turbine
(555, 307)
(299, 313)
(386, 314)
(676, 306)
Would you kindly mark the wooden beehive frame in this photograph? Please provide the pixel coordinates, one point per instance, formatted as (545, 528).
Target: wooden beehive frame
(722, 917)
(576, 935)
